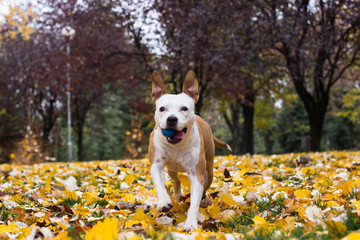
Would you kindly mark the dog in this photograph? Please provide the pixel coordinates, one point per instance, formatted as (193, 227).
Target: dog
(191, 149)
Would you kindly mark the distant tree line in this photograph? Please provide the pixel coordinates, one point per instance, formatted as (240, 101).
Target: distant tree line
(274, 76)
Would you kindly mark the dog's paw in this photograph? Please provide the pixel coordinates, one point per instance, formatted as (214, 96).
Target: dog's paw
(188, 225)
(165, 207)
(164, 204)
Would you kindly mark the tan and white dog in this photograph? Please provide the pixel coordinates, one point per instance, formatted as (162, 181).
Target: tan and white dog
(190, 150)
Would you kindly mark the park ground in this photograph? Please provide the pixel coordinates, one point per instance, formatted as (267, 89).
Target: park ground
(289, 196)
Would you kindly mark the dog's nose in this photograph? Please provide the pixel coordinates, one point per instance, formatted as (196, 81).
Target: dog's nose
(171, 121)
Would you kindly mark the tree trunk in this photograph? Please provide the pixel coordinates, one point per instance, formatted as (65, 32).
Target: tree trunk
(80, 154)
(79, 122)
(234, 126)
(315, 105)
(248, 130)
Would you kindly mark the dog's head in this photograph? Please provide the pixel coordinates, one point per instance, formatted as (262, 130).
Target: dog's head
(175, 111)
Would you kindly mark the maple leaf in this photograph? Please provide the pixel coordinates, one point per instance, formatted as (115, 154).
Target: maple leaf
(303, 194)
(105, 230)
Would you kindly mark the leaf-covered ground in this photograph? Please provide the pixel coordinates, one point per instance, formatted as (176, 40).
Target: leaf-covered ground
(252, 197)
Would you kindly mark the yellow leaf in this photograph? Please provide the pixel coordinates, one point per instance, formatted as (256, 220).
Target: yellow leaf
(302, 194)
(139, 215)
(226, 215)
(48, 184)
(129, 179)
(106, 230)
(184, 181)
(228, 199)
(8, 228)
(336, 229)
(281, 223)
(136, 237)
(215, 211)
(332, 204)
(143, 223)
(83, 211)
(347, 187)
(90, 197)
(129, 198)
(308, 171)
(62, 236)
(327, 197)
(12, 34)
(130, 223)
(259, 221)
(242, 172)
(357, 205)
(247, 181)
(352, 236)
(301, 212)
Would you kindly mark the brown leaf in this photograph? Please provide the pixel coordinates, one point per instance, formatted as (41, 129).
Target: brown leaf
(68, 209)
(215, 194)
(205, 202)
(252, 173)
(58, 187)
(124, 206)
(35, 196)
(98, 168)
(252, 196)
(124, 165)
(183, 198)
(289, 202)
(227, 173)
(145, 208)
(210, 225)
(304, 160)
(5, 173)
(58, 208)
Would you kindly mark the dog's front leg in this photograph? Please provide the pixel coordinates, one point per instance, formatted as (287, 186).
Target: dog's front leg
(158, 178)
(196, 193)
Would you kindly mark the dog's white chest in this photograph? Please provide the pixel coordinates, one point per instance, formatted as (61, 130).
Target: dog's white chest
(182, 162)
(182, 157)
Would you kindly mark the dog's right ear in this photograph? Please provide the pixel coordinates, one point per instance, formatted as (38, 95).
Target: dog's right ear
(158, 87)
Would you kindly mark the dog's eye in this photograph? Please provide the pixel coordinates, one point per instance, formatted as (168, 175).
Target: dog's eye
(184, 109)
(162, 109)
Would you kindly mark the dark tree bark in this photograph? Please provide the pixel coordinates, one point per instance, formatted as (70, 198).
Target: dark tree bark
(49, 116)
(248, 129)
(234, 125)
(81, 110)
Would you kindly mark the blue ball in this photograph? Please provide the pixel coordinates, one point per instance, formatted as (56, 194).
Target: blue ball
(168, 132)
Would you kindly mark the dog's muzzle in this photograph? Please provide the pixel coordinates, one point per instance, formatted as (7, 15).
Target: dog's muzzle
(178, 136)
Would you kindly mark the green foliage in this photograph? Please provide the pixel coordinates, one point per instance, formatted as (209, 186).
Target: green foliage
(238, 222)
(4, 213)
(291, 125)
(71, 201)
(339, 133)
(105, 127)
(12, 129)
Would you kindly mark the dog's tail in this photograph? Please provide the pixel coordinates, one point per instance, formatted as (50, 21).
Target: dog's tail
(221, 144)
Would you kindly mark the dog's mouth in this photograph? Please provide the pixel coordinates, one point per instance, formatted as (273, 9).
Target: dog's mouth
(178, 136)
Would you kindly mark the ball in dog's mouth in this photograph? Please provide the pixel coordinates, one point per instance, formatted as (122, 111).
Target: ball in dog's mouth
(177, 137)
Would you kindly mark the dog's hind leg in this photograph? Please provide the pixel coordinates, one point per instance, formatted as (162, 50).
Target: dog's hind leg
(177, 184)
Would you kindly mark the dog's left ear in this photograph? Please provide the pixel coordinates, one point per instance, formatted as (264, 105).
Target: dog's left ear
(191, 86)
(158, 87)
